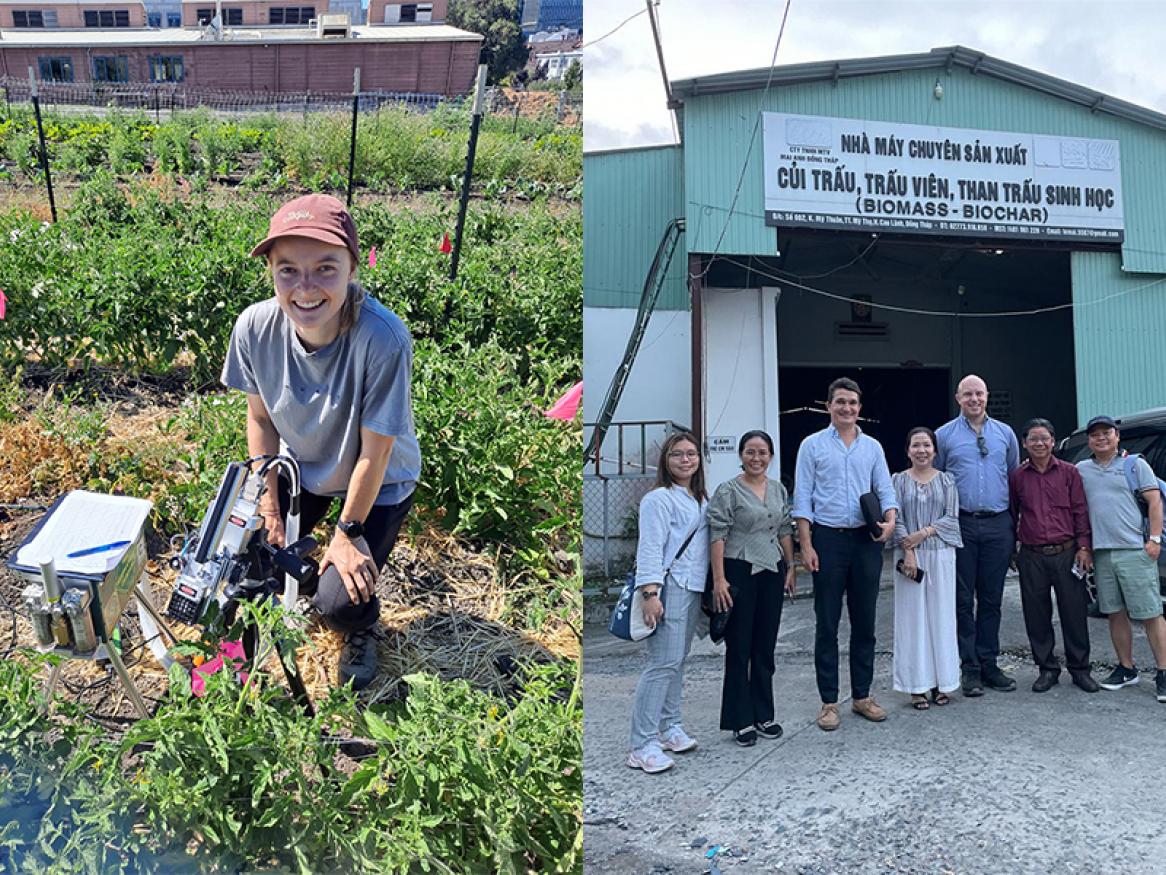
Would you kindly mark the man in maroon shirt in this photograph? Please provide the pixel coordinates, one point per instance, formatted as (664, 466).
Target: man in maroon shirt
(1052, 528)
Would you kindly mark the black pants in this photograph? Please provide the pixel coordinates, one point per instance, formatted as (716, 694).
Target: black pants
(850, 564)
(330, 597)
(980, 567)
(750, 638)
(1040, 576)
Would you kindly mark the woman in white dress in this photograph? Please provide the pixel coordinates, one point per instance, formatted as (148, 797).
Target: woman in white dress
(927, 532)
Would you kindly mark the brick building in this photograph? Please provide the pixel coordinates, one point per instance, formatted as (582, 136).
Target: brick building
(422, 59)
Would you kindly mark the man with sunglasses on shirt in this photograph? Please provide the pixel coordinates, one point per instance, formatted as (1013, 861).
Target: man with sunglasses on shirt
(980, 452)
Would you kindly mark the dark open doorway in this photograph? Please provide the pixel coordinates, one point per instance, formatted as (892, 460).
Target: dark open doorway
(898, 398)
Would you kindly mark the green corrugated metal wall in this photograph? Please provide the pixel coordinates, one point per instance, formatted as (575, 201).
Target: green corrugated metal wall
(718, 128)
(628, 199)
(1118, 324)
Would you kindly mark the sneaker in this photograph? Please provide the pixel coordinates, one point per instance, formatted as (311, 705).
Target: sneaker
(650, 758)
(358, 659)
(996, 679)
(869, 708)
(1160, 682)
(768, 729)
(745, 737)
(675, 739)
(1120, 677)
(828, 717)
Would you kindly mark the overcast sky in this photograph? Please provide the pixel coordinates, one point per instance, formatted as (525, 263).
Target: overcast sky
(1113, 46)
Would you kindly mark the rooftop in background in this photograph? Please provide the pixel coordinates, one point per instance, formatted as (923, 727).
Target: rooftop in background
(185, 36)
(942, 58)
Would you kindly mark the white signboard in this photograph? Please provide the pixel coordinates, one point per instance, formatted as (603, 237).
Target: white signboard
(884, 176)
(722, 444)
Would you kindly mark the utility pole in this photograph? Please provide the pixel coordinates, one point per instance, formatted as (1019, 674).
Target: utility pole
(673, 103)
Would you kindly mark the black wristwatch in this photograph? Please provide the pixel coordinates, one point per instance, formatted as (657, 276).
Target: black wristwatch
(353, 530)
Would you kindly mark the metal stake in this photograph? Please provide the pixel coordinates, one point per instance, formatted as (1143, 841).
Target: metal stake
(44, 149)
(352, 147)
(479, 93)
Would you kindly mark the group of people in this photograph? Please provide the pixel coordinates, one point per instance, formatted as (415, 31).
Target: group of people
(965, 511)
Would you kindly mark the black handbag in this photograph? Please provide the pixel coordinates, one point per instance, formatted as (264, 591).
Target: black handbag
(718, 620)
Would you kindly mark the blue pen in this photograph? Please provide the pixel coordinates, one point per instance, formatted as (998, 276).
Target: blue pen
(102, 549)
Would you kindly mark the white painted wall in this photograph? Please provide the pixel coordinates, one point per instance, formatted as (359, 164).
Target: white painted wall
(659, 387)
(740, 374)
(660, 383)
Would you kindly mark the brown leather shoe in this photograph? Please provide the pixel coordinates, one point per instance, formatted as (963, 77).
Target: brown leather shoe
(828, 717)
(869, 708)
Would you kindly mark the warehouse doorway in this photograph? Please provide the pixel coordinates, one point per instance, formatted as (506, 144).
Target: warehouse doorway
(894, 400)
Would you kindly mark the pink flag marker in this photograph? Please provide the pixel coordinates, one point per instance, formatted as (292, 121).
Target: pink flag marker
(232, 650)
(568, 405)
(445, 246)
(372, 257)
(3, 304)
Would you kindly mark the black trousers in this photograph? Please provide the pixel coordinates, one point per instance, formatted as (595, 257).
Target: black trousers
(750, 639)
(980, 567)
(1040, 576)
(850, 564)
(329, 595)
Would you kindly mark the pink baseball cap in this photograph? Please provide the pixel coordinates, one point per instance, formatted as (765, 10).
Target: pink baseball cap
(315, 216)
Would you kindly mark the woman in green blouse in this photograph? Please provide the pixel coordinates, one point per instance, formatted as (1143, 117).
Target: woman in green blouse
(751, 546)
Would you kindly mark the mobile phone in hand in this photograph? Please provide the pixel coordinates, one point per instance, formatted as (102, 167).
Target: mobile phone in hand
(916, 575)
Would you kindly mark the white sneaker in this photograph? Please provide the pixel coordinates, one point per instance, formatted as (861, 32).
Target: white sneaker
(650, 758)
(676, 739)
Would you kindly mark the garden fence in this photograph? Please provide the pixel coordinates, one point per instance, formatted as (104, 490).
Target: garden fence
(163, 100)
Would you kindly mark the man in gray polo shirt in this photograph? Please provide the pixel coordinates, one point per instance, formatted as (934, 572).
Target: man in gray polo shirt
(1125, 557)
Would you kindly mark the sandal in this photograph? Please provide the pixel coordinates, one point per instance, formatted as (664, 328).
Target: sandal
(938, 697)
(919, 702)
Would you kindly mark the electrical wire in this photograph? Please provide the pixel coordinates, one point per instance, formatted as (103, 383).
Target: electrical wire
(752, 141)
(613, 30)
(943, 313)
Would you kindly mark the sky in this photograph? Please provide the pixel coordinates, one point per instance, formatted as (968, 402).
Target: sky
(1112, 46)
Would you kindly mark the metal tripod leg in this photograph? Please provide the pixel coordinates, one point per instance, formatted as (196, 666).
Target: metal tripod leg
(126, 681)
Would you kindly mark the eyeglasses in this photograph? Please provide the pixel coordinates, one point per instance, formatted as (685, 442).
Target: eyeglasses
(684, 454)
(755, 454)
(982, 444)
(1038, 440)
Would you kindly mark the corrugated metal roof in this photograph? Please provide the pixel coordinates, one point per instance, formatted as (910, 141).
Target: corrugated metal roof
(183, 36)
(941, 58)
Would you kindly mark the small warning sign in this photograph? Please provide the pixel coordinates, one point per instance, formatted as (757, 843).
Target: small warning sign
(1000, 405)
(724, 443)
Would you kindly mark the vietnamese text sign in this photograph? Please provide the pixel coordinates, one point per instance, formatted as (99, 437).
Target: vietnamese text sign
(884, 176)
(722, 444)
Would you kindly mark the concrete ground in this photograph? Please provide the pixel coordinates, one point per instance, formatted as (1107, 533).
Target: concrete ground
(1018, 782)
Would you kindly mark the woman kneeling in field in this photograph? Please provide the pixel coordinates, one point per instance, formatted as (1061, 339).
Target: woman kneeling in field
(326, 369)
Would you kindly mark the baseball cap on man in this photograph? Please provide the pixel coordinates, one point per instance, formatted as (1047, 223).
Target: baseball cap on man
(1103, 421)
(316, 216)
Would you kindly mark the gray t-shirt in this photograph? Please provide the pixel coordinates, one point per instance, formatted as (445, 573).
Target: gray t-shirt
(1114, 514)
(318, 401)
